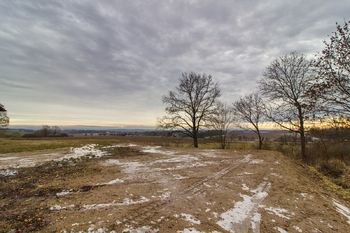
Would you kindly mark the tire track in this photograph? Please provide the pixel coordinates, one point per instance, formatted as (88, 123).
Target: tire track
(148, 210)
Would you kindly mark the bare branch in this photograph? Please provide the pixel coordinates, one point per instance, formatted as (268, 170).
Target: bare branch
(286, 83)
(191, 106)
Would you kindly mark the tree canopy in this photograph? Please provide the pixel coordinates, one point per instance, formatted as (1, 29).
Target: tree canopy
(285, 83)
(4, 119)
(191, 106)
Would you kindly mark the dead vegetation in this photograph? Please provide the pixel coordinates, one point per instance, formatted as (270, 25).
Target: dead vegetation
(23, 196)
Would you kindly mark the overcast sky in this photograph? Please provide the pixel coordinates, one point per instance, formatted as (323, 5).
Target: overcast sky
(88, 62)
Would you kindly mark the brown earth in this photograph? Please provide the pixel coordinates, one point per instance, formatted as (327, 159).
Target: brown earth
(158, 189)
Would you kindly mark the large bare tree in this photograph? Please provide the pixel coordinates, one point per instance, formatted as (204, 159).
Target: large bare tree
(4, 119)
(191, 106)
(285, 83)
(333, 84)
(223, 123)
(250, 108)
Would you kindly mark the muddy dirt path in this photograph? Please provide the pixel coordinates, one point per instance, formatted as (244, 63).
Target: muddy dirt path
(194, 190)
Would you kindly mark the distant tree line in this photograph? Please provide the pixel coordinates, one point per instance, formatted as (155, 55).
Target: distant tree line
(295, 93)
(46, 131)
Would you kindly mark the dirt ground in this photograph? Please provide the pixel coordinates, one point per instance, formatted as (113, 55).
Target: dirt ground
(159, 189)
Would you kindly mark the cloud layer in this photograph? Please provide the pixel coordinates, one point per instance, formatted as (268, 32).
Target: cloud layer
(109, 62)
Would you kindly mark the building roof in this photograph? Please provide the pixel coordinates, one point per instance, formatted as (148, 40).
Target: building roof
(2, 109)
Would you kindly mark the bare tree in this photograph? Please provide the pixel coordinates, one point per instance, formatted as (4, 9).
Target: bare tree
(223, 122)
(4, 119)
(55, 130)
(285, 83)
(250, 108)
(44, 131)
(191, 106)
(333, 84)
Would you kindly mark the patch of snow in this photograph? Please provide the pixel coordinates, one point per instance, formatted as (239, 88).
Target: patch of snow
(191, 230)
(179, 177)
(163, 196)
(8, 172)
(342, 209)
(65, 192)
(119, 145)
(143, 229)
(85, 150)
(246, 158)
(244, 215)
(207, 210)
(297, 228)
(245, 173)
(28, 161)
(100, 230)
(57, 207)
(112, 182)
(129, 167)
(305, 195)
(210, 153)
(278, 211)
(260, 187)
(255, 161)
(178, 159)
(245, 187)
(75, 224)
(191, 219)
(91, 228)
(280, 230)
(126, 201)
(156, 149)
(275, 174)
(8, 158)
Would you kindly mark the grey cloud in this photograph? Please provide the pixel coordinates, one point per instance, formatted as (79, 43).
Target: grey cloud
(120, 57)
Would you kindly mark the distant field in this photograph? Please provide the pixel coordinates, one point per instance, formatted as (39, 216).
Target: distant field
(14, 145)
(21, 145)
(269, 136)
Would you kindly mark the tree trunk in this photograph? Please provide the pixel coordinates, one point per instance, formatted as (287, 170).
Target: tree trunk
(195, 141)
(303, 147)
(302, 135)
(260, 141)
(195, 137)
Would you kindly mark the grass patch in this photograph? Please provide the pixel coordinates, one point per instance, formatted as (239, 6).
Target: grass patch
(11, 133)
(329, 184)
(22, 145)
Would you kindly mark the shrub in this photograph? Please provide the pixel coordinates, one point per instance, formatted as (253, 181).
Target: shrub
(29, 135)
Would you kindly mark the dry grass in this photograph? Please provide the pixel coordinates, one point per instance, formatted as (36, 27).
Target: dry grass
(328, 183)
(21, 145)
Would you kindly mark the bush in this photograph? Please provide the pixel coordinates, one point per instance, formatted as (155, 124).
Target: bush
(333, 170)
(29, 135)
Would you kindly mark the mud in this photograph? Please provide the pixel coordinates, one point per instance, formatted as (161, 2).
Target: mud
(156, 189)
